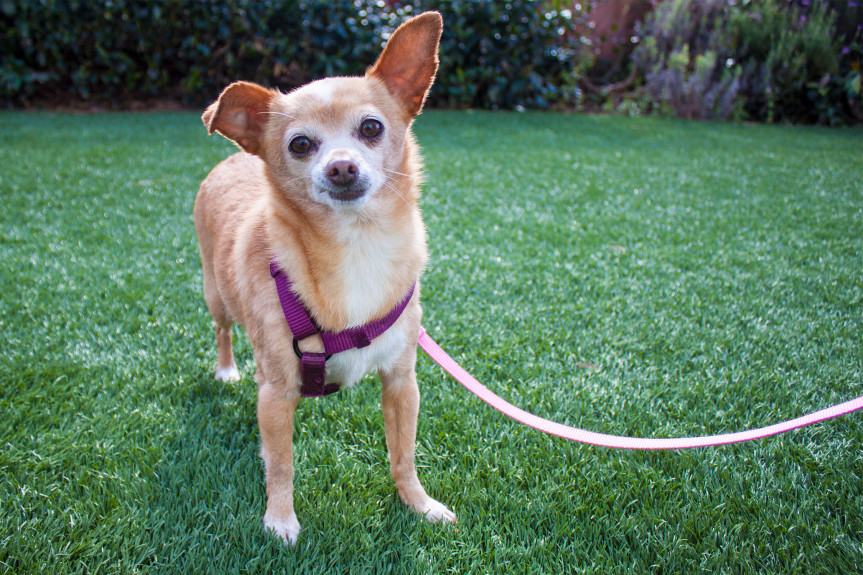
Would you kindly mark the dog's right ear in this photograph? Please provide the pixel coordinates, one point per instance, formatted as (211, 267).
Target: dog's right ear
(240, 114)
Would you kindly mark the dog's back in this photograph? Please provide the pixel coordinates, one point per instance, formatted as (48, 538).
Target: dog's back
(231, 197)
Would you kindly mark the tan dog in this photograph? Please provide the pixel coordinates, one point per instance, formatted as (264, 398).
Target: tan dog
(328, 185)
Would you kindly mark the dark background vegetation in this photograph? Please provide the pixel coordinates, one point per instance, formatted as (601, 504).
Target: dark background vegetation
(762, 60)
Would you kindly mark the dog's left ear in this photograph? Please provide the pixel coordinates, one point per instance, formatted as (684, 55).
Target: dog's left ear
(409, 62)
(239, 114)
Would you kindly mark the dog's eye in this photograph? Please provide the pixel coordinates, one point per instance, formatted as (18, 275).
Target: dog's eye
(301, 145)
(371, 128)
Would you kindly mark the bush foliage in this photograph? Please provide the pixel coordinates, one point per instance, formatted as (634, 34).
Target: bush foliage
(116, 50)
(683, 59)
(764, 60)
(521, 53)
(506, 54)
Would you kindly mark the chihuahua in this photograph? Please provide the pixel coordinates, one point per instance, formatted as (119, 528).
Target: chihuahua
(324, 198)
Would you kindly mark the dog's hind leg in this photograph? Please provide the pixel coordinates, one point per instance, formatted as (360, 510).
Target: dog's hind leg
(226, 366)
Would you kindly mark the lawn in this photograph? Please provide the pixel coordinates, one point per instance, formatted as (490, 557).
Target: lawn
(631, 276)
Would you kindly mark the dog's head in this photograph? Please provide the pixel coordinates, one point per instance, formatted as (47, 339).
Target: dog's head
(339, 142)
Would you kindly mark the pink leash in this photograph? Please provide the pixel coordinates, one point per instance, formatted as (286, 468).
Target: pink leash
(582, 436)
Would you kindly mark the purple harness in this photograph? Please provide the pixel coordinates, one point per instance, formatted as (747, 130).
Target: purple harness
(313, 365)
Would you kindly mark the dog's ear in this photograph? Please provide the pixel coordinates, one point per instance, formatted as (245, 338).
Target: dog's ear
(408, 64)
(240, 114)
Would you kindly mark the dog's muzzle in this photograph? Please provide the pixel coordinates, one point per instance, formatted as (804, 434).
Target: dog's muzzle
(344, 180)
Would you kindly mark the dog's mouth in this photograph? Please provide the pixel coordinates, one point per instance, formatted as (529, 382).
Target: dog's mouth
(346, 194)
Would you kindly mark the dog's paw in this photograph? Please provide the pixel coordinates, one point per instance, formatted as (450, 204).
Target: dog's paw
(288, 529)
(228, 374)
(436, 512)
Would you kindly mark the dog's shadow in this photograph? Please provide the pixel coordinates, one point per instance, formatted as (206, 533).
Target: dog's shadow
(209, 482)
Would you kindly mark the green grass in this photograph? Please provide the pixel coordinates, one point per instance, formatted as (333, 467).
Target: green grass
(711, 274)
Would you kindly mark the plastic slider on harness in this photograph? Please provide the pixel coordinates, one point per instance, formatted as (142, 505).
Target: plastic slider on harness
(313, 368)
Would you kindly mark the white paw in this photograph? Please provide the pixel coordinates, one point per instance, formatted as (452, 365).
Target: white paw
(288, 529)
(228, 374)
(436, 512)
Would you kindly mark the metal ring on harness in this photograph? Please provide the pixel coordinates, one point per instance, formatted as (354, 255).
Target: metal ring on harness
(300, 354)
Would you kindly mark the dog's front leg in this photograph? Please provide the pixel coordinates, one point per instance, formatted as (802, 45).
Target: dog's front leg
(276, 411)
(400, 399)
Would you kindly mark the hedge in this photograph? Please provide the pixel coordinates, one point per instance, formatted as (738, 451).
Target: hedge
(767, 60)
(764, 60)
(112, 52)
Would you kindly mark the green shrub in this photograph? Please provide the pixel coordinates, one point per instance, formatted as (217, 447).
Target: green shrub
(776, 60)
(782, 51)
(836, 97)
(507, 54)
(113, 51)
(494, 54)
(683, 58)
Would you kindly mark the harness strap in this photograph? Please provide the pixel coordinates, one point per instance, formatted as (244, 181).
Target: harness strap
(295, 312)
(362, 336)
(313, 368)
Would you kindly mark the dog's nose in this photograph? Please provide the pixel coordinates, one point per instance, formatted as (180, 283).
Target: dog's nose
(342, 172)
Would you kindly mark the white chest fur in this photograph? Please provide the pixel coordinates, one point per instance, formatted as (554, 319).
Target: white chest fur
(368, 267)
(370, 264)
(350, 366)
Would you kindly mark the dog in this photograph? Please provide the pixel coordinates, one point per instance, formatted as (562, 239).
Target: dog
(321, 208)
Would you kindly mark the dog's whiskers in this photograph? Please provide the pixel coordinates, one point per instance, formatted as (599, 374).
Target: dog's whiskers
(396, 192)
(398, 173)
(297, 179)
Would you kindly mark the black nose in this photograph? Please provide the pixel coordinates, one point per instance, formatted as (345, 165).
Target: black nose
(342, 172)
